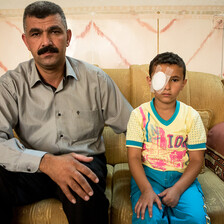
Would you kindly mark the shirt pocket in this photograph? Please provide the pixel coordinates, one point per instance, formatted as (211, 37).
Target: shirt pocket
(87, 124)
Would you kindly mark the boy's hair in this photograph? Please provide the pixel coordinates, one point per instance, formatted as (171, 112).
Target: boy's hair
(42, 9)
(167, 58)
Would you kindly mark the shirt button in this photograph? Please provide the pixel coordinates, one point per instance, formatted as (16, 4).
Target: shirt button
(28, 169)
(59, 114)
(61, 136)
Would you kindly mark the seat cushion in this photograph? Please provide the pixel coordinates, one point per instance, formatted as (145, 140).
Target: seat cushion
(213, 188)
(48, 211)
(121, 212)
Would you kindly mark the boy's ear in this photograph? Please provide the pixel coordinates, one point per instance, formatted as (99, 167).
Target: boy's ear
(149, 81)
(184, 83)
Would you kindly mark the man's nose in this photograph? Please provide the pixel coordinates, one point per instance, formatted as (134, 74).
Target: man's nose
(46, 40)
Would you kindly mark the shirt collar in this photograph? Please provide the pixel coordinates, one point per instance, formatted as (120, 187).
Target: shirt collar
(35, 78)
(69, 69)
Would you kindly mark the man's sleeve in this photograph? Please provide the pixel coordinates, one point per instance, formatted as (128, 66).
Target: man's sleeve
(13, 155)
(116, 109)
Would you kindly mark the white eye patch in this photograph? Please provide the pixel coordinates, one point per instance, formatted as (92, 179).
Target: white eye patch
(159, 81)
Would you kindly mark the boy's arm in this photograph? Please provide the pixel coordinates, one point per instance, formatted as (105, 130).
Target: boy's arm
(171, 195)
(148, 196)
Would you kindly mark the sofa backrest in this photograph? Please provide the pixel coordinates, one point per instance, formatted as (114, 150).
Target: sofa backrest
(123, 80)
(203, 92)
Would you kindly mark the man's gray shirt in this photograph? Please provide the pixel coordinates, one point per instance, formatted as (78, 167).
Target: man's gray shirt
(69, 119)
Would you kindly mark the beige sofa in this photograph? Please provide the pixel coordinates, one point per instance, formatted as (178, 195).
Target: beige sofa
(204, 92)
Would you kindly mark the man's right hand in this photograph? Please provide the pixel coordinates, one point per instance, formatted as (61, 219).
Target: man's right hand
(67, 171)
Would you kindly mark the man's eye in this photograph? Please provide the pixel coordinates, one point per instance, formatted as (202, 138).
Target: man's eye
(35, 34)
(55, 31)
(175, 80)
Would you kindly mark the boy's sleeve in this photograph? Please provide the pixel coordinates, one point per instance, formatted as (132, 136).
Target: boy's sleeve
(197, 134)
(135, 135)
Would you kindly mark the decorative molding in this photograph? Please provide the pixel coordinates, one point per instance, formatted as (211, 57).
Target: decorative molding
(133, 10)
(218, 21)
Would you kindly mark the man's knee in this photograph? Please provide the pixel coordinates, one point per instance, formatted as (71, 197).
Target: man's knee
(96, 208)
(4, 186)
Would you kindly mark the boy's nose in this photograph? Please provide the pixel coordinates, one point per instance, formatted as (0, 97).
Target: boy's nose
(167, 87)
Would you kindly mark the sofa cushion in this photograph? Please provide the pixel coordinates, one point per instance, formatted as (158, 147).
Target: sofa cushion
(213, 189)
(206, 117)
(216, 138)
(215, 153)
(122, 78)
(48, 211)
(206, 91)
(121, 212)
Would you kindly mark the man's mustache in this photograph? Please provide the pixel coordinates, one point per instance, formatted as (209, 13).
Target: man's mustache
(49, 48)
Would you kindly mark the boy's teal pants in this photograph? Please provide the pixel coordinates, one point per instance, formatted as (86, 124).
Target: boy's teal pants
(189, 210)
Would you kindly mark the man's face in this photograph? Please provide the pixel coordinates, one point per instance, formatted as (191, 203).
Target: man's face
(43, 33)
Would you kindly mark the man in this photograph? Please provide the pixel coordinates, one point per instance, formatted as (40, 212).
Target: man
(58, 106)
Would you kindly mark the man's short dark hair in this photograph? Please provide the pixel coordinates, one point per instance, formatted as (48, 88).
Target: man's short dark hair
(167, 58)
(42, 9)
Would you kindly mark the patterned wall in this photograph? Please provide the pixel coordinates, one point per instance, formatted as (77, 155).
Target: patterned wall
(116, 37)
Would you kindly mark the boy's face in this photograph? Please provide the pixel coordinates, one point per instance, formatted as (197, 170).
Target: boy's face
(175, 84)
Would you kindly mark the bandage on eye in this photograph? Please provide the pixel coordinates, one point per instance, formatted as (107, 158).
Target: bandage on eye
(158, 81)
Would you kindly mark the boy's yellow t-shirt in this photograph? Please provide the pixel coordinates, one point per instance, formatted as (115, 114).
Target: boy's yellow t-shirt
(165, 144)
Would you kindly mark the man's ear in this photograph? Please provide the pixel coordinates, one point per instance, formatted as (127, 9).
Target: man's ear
(25, 41)
(69, 37)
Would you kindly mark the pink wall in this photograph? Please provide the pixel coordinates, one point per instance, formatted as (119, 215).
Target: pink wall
(116, 37)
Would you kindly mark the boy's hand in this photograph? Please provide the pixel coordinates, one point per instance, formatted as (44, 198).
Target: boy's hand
(146, 200)
(170, 196)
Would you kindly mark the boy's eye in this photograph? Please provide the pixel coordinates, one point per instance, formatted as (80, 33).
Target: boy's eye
(174, 80)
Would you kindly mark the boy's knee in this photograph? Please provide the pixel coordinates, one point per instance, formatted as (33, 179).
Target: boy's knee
(196, 219)
(147, 220)
(157, 217)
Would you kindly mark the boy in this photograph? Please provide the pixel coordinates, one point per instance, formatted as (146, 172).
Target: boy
(58, 106)
(166, 142)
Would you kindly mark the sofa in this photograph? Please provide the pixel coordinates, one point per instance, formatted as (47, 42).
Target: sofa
(204, 92)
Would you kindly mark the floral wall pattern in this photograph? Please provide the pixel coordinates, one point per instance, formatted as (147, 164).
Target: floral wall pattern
(117, 37)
